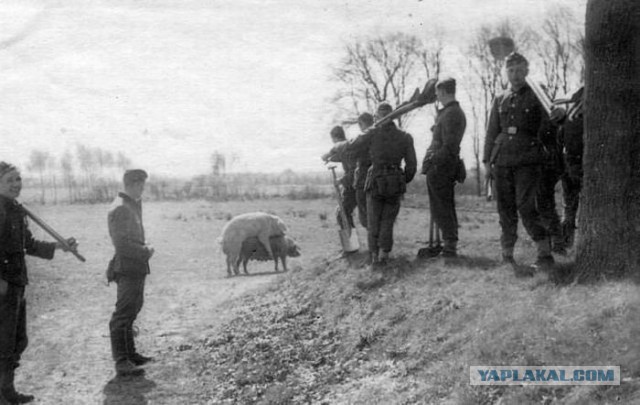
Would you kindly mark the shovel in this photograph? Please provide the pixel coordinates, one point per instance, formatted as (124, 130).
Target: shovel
(348, 236)
(434, 248)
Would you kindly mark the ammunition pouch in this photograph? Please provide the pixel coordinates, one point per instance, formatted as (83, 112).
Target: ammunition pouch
(386, 183)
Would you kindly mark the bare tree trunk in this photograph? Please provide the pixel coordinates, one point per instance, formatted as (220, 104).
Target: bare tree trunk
(609, 220)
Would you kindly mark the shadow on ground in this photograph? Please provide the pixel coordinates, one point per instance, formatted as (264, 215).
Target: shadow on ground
(127, 391)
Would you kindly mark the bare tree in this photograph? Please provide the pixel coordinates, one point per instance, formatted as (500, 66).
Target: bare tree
(66, 166)
(609, 220)
(557, 50)
(386, 68)
(218, 164)
(122, 162)
(38, 162)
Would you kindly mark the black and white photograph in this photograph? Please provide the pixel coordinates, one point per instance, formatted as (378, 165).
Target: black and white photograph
(319, 202)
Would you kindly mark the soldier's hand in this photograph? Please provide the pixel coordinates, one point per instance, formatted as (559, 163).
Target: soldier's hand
(488, 174)
(325, 158)
(557, 115)
(151, 251)
(71, 245)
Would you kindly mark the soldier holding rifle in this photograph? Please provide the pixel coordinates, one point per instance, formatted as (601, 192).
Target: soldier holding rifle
(513, 154)
(15, 241)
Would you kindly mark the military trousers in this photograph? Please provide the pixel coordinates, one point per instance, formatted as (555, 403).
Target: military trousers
(130, 298)
(13, 324)
(516, 188)
(441, 188)
(546, 203)
(348, 198)
(361, 201)
(381, 215)
(571, 187)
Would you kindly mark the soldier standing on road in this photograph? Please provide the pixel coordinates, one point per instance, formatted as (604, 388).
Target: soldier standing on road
(514, 151)
(15, 241)
(441, 163)
(348, 160)
(129, 269)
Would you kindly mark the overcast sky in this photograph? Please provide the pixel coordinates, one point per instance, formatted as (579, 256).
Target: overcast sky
(170, 82)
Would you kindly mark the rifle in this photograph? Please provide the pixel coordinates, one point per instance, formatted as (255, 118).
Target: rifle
(53, 233)
(417, 100)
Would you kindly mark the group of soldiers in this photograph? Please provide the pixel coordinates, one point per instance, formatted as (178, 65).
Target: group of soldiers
(527, 152)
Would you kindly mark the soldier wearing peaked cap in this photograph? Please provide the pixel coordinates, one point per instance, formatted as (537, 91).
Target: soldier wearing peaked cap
(513, 155)
(442, 162)
(129, 268)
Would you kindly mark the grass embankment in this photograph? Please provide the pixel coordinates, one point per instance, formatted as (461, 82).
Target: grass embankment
(337, 333)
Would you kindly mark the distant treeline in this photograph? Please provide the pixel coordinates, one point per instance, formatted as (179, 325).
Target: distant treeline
(93, 175)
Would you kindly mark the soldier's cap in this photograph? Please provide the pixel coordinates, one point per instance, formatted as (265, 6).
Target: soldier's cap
(337, 132)
(134, 176)
(448, 83)
(384, 109)
(514, 58)
(6, 168)
(365, 118)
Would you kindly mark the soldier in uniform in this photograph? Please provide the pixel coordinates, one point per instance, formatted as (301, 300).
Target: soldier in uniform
(552, 170)
(570, 136)
(363, 162)
(386, 181)
(129, 269)
(15, 241)
(348, 161)
(514, 151)
(441, 163)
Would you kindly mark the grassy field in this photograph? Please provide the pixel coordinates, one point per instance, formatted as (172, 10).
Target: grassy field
(328, 331)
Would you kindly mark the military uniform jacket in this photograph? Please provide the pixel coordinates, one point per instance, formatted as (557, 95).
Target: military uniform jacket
(447, 134)
(513, 131)
(127, 235)
(16, 241)
(361, 158)
(388, 146)
(348, 160)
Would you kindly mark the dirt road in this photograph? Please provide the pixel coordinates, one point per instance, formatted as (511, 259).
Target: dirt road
(69, 304)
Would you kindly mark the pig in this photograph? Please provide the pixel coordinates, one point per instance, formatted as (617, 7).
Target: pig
(281, 246)
(258, 225)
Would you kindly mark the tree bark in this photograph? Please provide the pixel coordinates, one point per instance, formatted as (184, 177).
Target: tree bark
(609, 220)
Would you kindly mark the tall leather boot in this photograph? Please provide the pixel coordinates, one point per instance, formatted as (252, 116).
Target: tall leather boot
(450, 248)
(133, 354)
(8, 388)
(3, 374)
(119, 350)
(545, 259)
